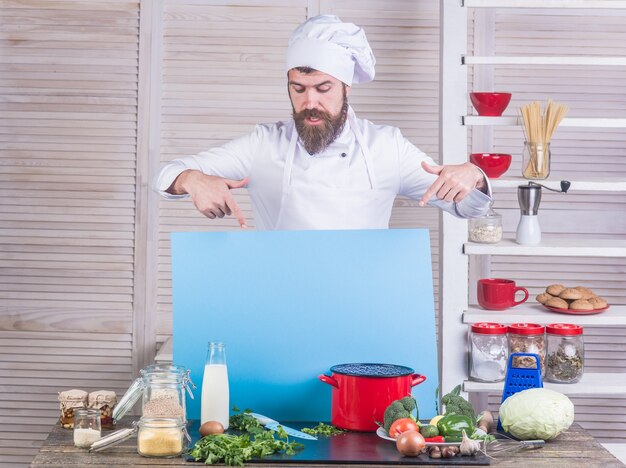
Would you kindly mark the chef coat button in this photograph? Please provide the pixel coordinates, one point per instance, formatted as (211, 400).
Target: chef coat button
(343, 155)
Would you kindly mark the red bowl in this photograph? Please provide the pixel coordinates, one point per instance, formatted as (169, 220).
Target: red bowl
(490, 104)
(493, 164)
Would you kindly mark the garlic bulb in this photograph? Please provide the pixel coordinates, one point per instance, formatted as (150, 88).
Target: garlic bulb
(469, 446)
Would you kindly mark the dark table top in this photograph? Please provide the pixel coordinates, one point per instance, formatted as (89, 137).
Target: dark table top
(574, 448)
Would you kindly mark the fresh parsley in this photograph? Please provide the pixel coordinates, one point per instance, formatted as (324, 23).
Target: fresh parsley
(322, 429)
(242, 421)
(235, 450)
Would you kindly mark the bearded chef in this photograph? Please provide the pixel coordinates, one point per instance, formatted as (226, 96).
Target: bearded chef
(325, 168)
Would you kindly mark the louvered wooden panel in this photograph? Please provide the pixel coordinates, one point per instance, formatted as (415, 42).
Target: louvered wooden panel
(223, 73)
(404, 36)
(576, 153)
(68, 111)
(35, 366)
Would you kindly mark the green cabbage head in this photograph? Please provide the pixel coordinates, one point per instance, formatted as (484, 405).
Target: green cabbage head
(536, 413)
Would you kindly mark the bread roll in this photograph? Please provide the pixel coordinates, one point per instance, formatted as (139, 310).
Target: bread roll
(543, 298)
(555, 289)
(581, 304)
(557, 302)
(570, 294)
(586, 292)
(598, 302)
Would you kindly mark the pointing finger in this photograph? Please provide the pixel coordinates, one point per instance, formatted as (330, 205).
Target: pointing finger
(234, 208)
(434, 188)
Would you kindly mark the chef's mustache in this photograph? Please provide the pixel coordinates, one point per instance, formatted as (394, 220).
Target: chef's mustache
(313, 114)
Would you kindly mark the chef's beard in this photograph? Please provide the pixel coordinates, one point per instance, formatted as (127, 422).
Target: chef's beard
(316, 138)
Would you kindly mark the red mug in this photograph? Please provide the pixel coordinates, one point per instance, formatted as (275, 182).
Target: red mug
(498, 293)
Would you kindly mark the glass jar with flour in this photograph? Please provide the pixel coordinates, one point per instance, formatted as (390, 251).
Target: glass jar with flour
(488, 352)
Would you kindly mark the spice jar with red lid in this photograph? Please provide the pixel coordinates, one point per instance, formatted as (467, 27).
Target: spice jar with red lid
(528, 338)
(565, 353)
(488, 352)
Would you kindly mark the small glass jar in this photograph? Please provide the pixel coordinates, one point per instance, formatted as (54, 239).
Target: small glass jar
(87, 427)
(528, 338)
(488, 352)
(486, 229)
(566, 353)
(160, 437)
(536, 161)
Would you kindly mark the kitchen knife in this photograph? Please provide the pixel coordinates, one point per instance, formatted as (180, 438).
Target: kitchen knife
(269, 423)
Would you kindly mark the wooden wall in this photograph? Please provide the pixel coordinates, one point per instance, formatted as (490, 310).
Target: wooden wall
(68, 174)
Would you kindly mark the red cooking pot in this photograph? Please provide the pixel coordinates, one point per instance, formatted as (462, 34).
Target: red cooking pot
(361, 392)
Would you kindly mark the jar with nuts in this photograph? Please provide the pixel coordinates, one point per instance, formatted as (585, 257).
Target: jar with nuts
(105, 401)
(69, 401)
(528, 338)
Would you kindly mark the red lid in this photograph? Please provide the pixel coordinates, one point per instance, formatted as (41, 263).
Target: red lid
(488, 328)
(564, 329)
(526, 329)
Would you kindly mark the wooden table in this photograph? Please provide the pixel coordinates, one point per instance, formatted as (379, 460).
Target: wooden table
(574, 448)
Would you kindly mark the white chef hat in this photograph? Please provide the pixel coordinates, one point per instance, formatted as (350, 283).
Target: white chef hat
(327, 44)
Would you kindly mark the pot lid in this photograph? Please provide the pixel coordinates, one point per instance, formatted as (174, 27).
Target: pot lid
(372, 370)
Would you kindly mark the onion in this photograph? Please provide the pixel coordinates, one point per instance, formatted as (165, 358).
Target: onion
(410, 443)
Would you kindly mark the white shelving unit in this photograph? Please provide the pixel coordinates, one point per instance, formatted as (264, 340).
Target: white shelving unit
(589, 385)
(454, 246)
(511, 121)
(522, 60)
(554, 248)
(595, 184)
(535, 313)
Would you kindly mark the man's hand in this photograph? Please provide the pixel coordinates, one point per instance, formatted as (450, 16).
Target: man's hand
(211, 194)
(454, 183)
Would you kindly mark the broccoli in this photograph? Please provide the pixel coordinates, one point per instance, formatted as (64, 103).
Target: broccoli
(399, 409)
(456, 404)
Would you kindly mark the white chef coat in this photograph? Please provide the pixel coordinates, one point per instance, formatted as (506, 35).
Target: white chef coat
(350, 185)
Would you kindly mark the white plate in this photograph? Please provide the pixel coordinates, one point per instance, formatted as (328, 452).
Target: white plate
(382, 433)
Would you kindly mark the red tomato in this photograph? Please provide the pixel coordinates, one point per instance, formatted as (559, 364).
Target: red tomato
(402, 425)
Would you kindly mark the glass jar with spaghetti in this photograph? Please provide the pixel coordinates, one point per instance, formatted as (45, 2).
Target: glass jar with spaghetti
(536, 160)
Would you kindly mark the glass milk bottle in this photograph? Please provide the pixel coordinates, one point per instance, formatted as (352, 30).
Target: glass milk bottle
(215, 402)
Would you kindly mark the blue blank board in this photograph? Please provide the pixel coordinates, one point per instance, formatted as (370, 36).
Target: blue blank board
(290, 304)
